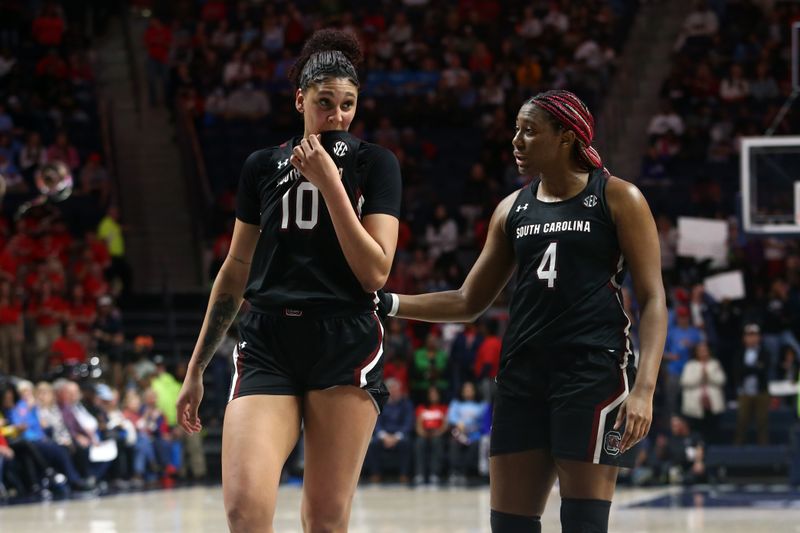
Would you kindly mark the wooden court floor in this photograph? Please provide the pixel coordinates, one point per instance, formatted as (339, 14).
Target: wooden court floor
(379, 510)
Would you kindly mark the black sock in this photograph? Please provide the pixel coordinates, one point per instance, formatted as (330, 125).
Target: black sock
(584, 516)
(514, 523)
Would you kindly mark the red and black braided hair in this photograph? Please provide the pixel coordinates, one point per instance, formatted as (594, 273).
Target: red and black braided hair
(567, 112)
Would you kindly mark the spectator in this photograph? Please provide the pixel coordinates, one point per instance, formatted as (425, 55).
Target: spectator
(115, 427)
(26, 416)
(145, 463)
(62, 150)
(107, 333)
(666, 120)
(779, 315)
(682, 337)
(32, 156)
(157, 40)
(95, 181)
(698, 27)
(247, 102)
(430, 366)
(11, 331)
(397, 350)
(487, 360)
(530, 27)
(83, 313)
(68, 350)
(111, 232)
(441, 234)
(392, 437)
(464, 416)
(702, 381)
(431, 430)
(764, 88)
(463, 353)
(751, 379)
(49, 27)
(47, 311)
(734, 88)
(6, 456)
(681, 456)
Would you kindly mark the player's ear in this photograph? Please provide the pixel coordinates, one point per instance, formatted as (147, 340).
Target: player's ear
(299, 100)
(567, 137)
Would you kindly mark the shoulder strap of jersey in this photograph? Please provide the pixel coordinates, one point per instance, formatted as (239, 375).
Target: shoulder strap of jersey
(598, 187)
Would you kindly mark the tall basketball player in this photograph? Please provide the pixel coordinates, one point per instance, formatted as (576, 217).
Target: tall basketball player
(315, 235)
(569, 402)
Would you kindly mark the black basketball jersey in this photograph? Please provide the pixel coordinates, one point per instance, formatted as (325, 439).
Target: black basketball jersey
(570, 269)
(298, 264)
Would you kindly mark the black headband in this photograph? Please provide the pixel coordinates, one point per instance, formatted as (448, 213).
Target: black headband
(327, 64)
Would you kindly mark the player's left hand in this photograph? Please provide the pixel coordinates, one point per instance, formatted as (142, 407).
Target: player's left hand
(314, 163)
(636, 412)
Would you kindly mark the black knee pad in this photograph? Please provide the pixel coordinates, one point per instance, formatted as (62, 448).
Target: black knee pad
(514, 523)
(584, 516)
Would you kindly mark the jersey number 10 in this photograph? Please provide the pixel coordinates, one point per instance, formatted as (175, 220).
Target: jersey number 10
(303, 223)
(547, 268)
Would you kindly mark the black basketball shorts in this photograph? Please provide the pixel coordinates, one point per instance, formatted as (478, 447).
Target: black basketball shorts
(566, 403)
(290, 355)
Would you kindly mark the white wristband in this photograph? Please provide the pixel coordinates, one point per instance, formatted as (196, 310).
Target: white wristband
(395, 304)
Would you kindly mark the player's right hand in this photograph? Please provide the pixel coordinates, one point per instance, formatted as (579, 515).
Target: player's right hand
(189, 401)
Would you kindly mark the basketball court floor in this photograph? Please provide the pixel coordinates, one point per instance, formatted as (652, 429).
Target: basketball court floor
(402, 510)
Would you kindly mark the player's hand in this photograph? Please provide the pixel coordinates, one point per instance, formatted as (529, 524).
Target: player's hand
(314, 163)
(189, 401)
(636, 412)
(384, 304)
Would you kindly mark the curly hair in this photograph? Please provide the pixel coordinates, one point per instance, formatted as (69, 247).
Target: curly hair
(328, 53)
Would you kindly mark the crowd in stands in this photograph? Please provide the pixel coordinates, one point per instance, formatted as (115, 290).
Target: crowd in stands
(75, 411)
(729, 76)
(58, 437)
(440, 87)
(460, 71)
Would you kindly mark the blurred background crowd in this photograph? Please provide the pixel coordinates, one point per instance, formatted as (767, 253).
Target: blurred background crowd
(87, 402)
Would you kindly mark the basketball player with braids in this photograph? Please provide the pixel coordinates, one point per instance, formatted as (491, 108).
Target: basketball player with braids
(314, 238)
(569, 403)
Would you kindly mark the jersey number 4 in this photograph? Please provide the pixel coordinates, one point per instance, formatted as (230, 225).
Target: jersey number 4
(547, 268)
(304, 190)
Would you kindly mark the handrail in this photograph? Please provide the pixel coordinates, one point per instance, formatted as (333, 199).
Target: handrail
(109, 146)
(131, 52)
(198, 189)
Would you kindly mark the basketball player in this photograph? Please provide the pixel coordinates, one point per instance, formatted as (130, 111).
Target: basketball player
(569, 403)
(314, 237)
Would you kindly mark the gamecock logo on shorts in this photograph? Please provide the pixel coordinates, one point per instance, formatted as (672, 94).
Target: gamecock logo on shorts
(340, 148)
(590, 201)
(612, 442)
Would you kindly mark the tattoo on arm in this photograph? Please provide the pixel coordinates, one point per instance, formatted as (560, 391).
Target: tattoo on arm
(222, 313)
(238, 260)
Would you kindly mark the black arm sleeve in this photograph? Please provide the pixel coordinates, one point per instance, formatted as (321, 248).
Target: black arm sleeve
(382, 186)
(248, 208)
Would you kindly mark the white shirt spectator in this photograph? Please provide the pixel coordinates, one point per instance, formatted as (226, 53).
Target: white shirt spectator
(733, 89)
(443, 239)
(700, 23)
(236, 70)
(217, 102)
(557, 20)
(248, 102)
(591, 54)
(531, 27)
(666, 121)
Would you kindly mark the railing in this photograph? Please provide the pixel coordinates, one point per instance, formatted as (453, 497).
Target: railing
(198, 189)
(132, 54)
(104, 109)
